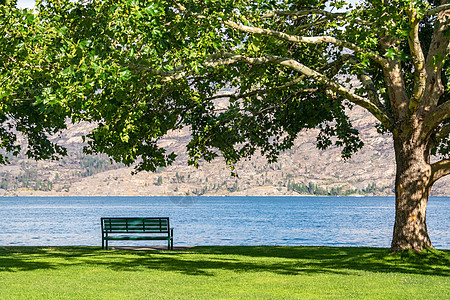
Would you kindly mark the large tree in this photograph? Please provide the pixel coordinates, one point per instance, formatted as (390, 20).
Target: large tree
(142, 68)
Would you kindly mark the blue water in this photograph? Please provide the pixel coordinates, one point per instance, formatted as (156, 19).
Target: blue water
(308, 221)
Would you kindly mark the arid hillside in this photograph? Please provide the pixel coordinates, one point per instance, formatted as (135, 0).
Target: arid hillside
(303, 170)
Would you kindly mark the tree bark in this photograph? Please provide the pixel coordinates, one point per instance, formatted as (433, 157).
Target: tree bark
(412, 188)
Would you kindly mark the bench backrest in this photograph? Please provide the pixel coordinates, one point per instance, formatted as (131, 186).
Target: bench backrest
(135, 225)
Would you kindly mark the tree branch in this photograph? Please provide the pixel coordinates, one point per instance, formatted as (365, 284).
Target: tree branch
(395, 82)
(436, 10)
(418, 59)
(335, 67)
(435, 61)
(220, 59)
(240, 96)
(305, 26)
(308, 40)
(23, 99)
(378, 112)
(436, 117)
(439, 170)
(442, 133)
(300, 13)
(365, 80)
(259, 91)
(174, 74)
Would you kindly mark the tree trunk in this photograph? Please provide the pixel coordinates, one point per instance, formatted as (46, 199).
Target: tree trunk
(412, 188)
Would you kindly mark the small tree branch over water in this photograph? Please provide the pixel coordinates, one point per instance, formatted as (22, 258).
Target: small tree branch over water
(141, 69)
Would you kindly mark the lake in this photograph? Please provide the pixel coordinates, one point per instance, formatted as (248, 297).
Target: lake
(293, 221)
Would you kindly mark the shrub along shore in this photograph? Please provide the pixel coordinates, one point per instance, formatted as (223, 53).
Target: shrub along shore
(218, 272)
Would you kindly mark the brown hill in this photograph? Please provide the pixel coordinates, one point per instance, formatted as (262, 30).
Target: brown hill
(302, 170)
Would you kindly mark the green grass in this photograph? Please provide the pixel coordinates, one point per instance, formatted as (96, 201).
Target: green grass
(222, 272)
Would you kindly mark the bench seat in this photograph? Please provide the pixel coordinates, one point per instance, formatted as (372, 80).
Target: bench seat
(136, 229)
(134, 237)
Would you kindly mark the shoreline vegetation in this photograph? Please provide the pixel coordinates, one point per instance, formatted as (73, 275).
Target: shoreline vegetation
(31, 183)
(217, 272)
(206, 196)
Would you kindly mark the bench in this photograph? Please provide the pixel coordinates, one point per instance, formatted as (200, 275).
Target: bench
(136, 229)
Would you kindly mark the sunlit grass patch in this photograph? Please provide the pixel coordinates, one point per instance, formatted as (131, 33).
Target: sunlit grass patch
(244, 272)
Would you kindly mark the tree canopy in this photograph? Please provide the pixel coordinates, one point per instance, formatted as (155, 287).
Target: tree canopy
(142, 68)
(25, 81)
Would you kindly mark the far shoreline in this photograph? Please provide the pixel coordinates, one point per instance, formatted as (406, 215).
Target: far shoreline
(39, 195)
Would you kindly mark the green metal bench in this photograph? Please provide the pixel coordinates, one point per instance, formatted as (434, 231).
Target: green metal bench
(136, 229)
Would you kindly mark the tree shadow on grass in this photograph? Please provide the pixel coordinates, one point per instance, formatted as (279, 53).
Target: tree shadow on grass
(207, 261)
(345, 259)
(15, 264)
(14, 259)
(291, 261)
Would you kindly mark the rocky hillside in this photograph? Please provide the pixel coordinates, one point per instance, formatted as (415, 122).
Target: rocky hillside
(302, 170)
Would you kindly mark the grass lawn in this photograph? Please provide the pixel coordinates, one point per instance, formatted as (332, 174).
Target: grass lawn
(218, 272)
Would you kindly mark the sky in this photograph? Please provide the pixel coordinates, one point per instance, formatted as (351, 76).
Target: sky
(25, 3)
